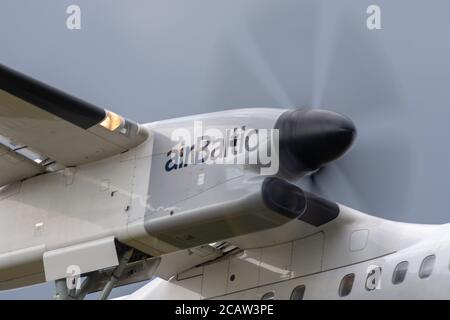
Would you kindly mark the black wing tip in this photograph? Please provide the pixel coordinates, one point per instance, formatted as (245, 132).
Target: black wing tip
(72, 109)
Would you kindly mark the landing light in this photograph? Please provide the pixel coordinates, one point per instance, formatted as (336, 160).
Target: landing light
(112, 121)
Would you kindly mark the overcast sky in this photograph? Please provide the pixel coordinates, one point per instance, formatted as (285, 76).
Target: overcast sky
(153, 60)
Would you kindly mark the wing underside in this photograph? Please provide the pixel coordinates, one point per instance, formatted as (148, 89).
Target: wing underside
(56, 126)
(15, 166)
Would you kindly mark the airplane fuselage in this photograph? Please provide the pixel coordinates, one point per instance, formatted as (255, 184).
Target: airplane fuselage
(309, 269)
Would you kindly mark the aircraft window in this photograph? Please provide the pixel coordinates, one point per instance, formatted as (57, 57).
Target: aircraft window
(298, 293)
(268, 296)
(426, 268)
(400, 272)
(346, 285)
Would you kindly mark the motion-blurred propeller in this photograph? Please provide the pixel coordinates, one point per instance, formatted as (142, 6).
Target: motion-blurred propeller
(333, 64)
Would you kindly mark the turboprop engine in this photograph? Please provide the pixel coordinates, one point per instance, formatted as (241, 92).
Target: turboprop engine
(222, 175)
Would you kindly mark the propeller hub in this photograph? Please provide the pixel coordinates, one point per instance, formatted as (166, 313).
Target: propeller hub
(311, 138)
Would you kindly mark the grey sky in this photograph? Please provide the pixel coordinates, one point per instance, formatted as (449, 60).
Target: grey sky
(152, 60)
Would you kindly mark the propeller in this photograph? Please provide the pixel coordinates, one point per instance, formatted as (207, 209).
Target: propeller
(375, 175)
(315, 59)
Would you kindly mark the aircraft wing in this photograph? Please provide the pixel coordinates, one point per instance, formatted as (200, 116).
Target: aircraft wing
(56, 126)
(14, 166)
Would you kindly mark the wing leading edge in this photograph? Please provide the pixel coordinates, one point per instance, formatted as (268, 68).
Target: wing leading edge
(56, 125)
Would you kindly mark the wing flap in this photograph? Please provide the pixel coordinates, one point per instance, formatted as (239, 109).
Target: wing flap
(15, 166)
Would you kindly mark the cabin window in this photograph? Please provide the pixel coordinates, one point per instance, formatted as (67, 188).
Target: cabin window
(426, 268)
(268, 296)
(298, 293)
(346, 285)
(400, 272)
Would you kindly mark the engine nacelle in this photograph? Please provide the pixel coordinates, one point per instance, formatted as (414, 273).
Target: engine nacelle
(267, 203)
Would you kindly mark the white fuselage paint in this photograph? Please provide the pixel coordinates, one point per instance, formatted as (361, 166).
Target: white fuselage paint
(283, 267)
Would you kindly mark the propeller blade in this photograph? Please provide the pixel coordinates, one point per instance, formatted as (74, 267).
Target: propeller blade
(358, 80)
(331, 63)
(375, 177)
